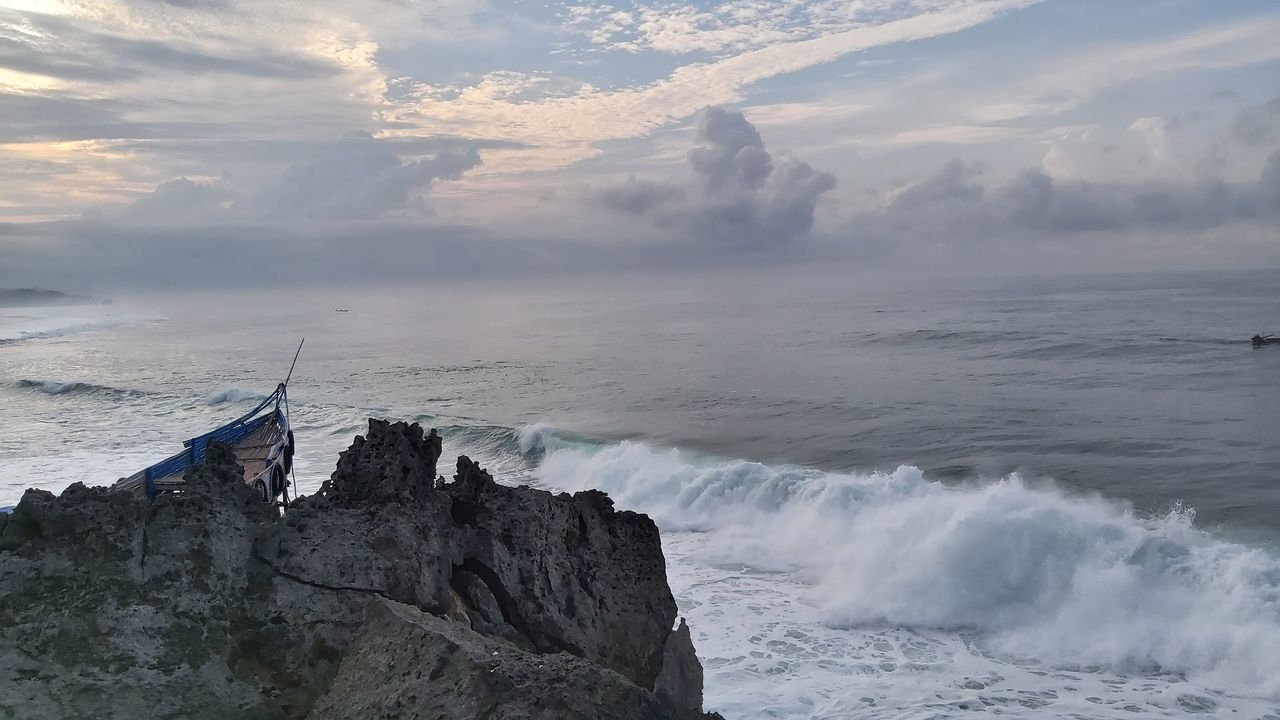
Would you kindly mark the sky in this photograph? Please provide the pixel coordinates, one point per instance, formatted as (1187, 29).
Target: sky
(173, 142)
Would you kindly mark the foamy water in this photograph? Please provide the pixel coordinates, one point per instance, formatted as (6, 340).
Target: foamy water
(886, 595)
(17, 324)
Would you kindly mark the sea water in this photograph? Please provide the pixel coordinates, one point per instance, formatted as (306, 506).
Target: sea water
(1017, 497)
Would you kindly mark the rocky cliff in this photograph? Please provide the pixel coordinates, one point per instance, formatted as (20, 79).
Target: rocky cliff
(385, 594)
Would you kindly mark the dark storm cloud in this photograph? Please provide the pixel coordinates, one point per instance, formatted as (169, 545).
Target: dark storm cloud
(953, 205)
(66, 49)
(743, 197)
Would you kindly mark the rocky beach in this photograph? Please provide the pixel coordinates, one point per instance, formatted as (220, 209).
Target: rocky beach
(390, 592)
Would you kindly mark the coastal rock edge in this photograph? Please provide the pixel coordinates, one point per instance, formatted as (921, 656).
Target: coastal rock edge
(388, 593)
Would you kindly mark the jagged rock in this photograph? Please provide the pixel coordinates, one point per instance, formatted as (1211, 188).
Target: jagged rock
(394, 461)
(208, 604)
(116, 607)
(680, 680)
(438, 669)
(569, 573)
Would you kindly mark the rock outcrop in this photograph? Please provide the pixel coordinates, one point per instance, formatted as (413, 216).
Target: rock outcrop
(441, 669)
(386, 594)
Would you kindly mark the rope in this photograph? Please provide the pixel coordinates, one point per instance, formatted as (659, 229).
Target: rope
(284, 393)
(284, 492)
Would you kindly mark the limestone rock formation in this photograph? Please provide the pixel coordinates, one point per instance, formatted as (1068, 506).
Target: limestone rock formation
(381, 595)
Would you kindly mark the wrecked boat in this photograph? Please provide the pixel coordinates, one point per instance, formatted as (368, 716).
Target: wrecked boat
(261, 439)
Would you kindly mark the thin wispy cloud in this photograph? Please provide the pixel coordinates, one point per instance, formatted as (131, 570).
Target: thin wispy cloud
(492, 107)
(1066, 83)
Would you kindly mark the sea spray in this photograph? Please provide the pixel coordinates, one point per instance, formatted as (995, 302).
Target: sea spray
(1042, 575)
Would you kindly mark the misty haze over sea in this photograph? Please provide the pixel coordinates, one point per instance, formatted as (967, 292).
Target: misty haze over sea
(901, 500)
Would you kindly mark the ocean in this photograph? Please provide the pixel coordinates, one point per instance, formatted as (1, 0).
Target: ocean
(915, 498)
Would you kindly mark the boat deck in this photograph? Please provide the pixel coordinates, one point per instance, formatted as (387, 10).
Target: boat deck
(252, 452)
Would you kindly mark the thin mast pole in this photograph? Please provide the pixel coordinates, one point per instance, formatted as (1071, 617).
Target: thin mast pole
(295, 362)
(285, 396)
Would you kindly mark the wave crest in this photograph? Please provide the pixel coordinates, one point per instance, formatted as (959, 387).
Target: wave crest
(1065, 580)
(232, 395)
(54, 387)
(39, 327)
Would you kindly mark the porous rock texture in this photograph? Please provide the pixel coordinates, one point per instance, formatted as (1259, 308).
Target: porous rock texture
(385, 594)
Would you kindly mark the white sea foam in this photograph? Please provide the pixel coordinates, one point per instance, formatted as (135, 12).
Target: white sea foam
(59, 467)
(41, 323)
(534, 438)
(58, 387)
(851, 574)
(54, 388)
(540, 438)
(232, 395)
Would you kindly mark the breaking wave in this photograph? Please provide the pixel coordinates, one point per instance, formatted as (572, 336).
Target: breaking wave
(37, 328)
(1065, 581)
(54, 387)
(232, 395)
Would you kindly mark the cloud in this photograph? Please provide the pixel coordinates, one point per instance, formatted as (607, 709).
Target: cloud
(734, 26)
(592, 115)
(953, 135)
(116, 75)
(359, 178)
(175, 116)
(1067, 83)
(638, 197)
(952, 207)
(182, 200)
(742, 198)
(1258, 125)
(1150, 149)
(1173, 183)
(56, 47)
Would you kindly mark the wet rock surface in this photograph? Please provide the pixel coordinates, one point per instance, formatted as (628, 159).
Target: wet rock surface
(385, 594)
